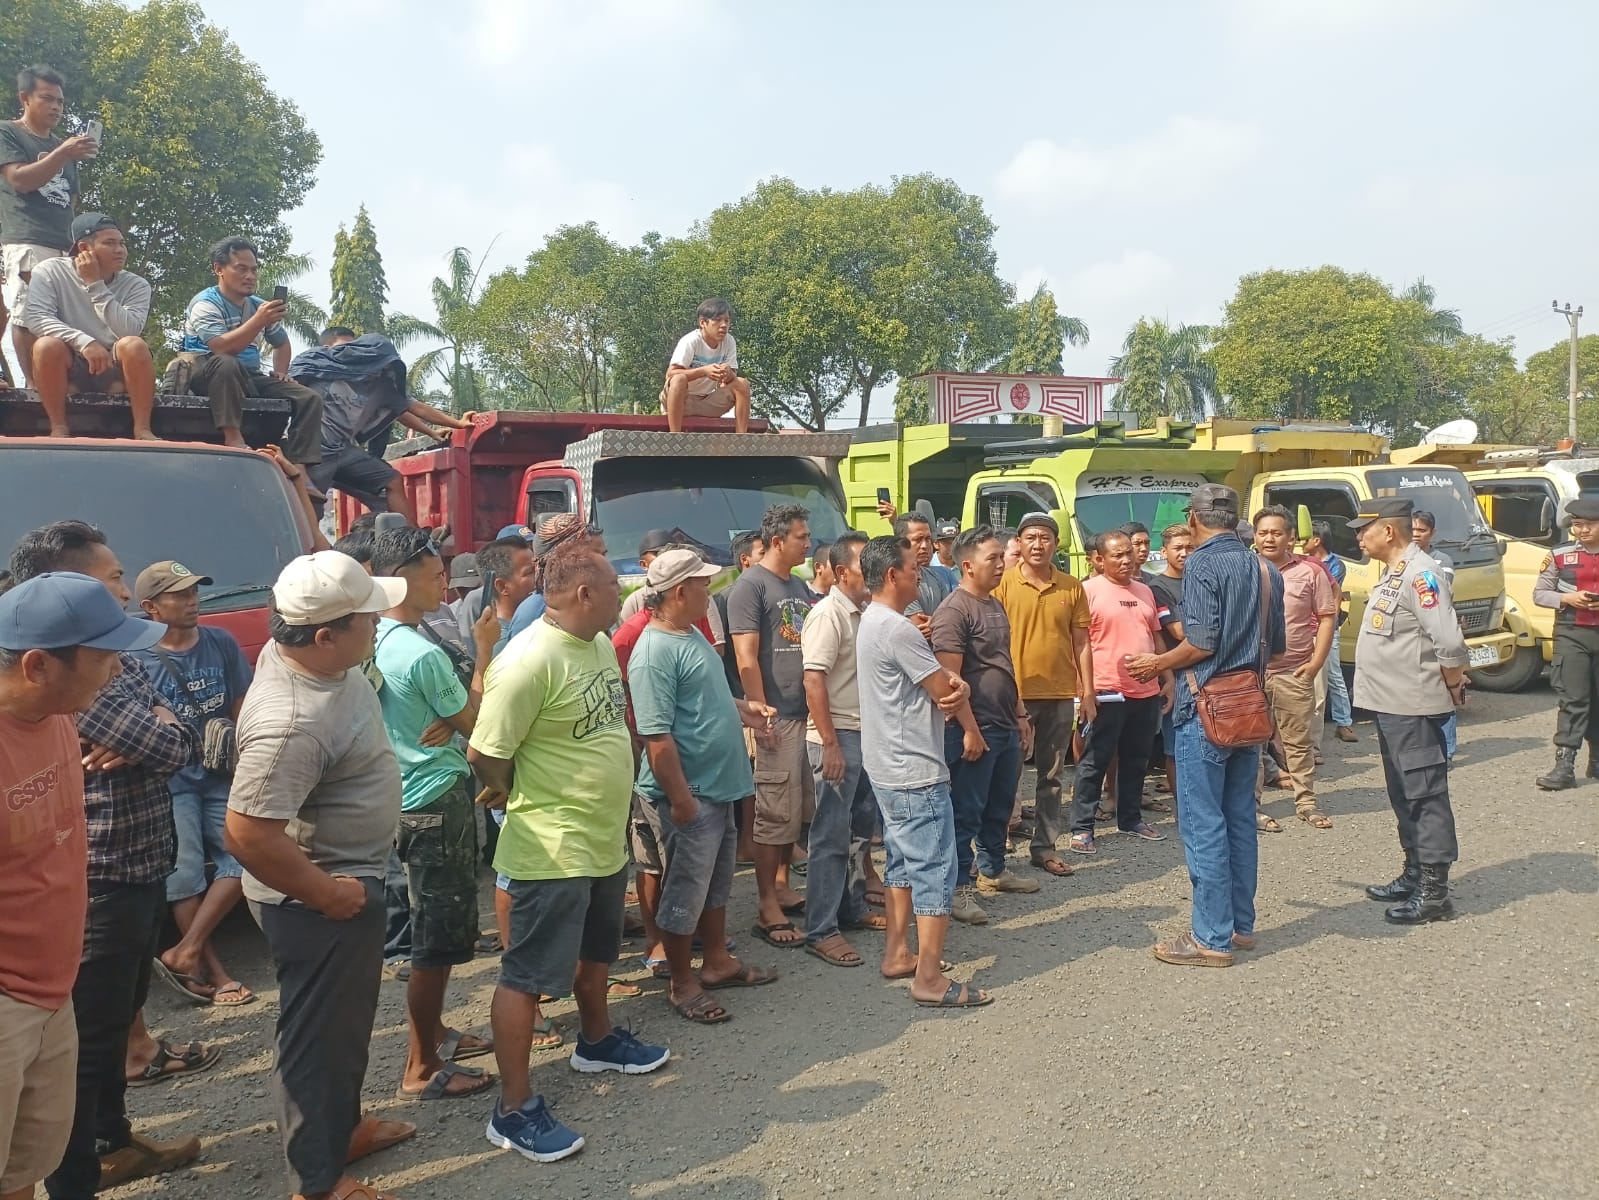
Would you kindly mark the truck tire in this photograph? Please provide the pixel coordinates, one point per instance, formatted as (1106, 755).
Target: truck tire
(1516, 674)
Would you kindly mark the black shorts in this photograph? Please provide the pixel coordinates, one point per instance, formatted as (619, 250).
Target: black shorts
(438, 845)
(356, 473)
(555, 924)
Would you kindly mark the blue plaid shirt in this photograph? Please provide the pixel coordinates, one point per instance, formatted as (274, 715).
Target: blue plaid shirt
(1221, 613)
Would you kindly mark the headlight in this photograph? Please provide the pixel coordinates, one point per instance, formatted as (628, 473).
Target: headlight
(1496, 615)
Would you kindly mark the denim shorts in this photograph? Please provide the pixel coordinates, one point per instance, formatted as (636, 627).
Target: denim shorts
(555, 924)
(199, 820)
(919, 838)
(699, 857)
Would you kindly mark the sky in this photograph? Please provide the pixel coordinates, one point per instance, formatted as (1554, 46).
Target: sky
(1137, 157)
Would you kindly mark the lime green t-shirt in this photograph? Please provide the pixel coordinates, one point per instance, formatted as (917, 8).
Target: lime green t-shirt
(555, 706)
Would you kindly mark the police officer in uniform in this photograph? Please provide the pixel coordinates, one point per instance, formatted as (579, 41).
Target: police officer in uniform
(1569, 584)
(1410, 661)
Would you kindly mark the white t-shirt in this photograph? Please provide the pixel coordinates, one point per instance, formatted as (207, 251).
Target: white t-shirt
(692, 352)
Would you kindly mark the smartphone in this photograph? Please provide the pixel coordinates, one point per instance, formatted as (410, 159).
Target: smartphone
(389, 520)
(488, 587)
(280, 294)
(93, 130)
(883, 496)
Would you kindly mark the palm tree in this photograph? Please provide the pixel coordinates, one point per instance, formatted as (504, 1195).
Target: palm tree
(1166, 370)
(305, 319)
(1439, 325)
(451, 362)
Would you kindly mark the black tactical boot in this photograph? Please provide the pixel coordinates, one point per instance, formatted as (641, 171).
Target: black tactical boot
(1401, 888)
(1564, 773)
(1593, 762)
(1430, 901)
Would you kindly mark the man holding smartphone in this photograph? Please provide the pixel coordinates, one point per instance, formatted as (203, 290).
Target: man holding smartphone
(222, 331)
(1569, 584)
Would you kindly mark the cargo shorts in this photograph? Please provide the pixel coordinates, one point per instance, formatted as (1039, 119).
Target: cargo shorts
(438, 845)
(785, 792)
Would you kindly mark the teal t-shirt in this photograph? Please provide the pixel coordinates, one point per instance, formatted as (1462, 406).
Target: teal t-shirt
(679, 687)
(419, 687)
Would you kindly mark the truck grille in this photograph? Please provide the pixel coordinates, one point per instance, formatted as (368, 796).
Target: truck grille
(1476, 616)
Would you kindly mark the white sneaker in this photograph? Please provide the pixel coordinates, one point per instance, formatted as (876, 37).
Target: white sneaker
(966, 910)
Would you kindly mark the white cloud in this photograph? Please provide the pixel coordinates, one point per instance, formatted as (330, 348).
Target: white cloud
(568, 38)
(1172, 165)
(1136, 279)
(1276, 20)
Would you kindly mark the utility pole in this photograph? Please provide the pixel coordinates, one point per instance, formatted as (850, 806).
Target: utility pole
(1572, 315)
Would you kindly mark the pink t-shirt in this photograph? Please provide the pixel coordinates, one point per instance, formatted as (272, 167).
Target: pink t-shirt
(1121, 621)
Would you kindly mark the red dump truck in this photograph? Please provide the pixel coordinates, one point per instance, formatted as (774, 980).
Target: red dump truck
(626, 474)
(226, 513)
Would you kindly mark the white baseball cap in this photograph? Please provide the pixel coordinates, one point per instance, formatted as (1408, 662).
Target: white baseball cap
(317, 588)
(678, 566)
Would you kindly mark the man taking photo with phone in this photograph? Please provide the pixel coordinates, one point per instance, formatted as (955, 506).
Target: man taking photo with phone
(222, 331)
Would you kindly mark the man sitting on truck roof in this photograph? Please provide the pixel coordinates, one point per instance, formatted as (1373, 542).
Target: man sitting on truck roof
(702, 379)
(86, 314)
(222, 329)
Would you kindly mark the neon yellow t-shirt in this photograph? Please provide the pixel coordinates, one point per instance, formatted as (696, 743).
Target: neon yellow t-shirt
(555, 706)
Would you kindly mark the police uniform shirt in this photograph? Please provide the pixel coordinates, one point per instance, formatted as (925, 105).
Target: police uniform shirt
(1569, 568)
(1407, 632)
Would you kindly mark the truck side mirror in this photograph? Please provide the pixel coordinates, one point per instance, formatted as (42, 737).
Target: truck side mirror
(1063, 520)
(1302, 522)
(1547, 518)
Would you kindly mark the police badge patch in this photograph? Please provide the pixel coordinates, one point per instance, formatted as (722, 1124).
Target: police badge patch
(1426, 585)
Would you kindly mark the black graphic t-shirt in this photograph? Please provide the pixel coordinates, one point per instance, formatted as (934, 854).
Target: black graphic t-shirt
(775, 608)
(42, 217)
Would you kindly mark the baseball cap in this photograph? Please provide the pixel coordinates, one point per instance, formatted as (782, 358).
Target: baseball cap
(166, 576)
(1038, 518)
(1383, 507)
(678, 566)
(522, 531)
(655, 539)
(317, 588)
(1583, 508)
(1216, 496)
(945, 529)
(86, 225)
(464, 571)
(63, 608)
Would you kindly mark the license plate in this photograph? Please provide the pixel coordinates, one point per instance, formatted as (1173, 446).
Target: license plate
(1484, 656)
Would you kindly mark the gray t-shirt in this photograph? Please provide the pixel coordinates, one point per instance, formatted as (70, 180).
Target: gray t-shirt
(902, 730)
(42, 217)
(313, 752)
(775, 608)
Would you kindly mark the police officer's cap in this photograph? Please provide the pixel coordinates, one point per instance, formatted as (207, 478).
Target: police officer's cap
(1383, 508)
(1583, 508)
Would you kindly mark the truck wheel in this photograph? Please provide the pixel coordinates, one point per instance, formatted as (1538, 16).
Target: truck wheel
(1516, 674)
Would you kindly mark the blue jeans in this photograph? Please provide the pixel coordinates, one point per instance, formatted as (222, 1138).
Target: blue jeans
(983, 792)
(1451, 735)
(846, 813)
(199, 818)
(919, 838)
(1216, 794)
(1338, 707)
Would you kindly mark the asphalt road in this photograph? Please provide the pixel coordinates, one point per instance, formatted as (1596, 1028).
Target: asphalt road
(1344, 1058)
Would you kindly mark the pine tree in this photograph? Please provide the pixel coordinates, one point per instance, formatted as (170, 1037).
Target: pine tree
(359, 288)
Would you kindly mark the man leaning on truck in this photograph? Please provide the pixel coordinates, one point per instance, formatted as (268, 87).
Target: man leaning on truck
(86, 314)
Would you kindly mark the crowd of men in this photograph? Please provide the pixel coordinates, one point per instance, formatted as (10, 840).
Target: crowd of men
(335, 789)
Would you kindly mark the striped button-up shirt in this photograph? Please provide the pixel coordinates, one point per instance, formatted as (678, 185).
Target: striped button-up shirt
(1221, 613)
(128, 810)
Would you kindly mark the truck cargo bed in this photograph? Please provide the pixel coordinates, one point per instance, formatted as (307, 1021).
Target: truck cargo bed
(185, 418)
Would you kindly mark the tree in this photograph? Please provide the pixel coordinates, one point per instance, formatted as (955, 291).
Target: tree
(450, 364)
(197, 146)
(304, 318)
(1165, 371)
(1548, 376)
(359, 287)
(1323, 344)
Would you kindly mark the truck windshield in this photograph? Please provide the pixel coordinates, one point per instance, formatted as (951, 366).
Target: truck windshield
(713, 500)
(1106, 500)
(222, 515)
(1446, 493)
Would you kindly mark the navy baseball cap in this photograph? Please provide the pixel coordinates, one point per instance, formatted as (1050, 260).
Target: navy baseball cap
(63, 608)
(521, 531)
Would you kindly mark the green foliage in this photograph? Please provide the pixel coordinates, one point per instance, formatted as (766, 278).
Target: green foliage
(1165, 371)
(1548, 376)
(449, 367)
(359, 286)
(197, 146)
(305, 318)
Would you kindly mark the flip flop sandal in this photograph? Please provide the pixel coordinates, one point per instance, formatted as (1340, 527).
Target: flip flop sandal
(357, 1190)
(1156, 806)
(236, 989)
(450, 1049)
(197, 1058)
(1265, 824)
(1053, 865)
(958, 995)
(659, 968)
(702, 1010)
(747, 977)
(877, 899)
(765, 932)
(373, 1135)
(621, 989)
(794, 910)
(876, 922)
(1103, 817)
(799, 868)
(1316, 819)
(183, 984)
(942, 966)
(545, 1026)
(438, 1088)
(1082, 845)
(835, 960)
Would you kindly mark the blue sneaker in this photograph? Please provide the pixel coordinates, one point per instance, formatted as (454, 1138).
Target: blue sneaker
(533, 1132)
(620, 1051)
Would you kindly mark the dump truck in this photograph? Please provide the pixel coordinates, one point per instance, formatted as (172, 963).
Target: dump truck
(225, 512)
(627, 474)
